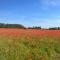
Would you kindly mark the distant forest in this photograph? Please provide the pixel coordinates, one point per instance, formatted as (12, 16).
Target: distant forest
(54, 28)
(2, 25)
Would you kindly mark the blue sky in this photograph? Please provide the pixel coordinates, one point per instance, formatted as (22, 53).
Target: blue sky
(44, 13)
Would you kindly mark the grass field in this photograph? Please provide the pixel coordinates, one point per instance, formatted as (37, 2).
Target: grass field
(19, 44)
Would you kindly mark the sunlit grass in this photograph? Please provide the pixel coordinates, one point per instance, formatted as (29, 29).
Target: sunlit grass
(25, 48)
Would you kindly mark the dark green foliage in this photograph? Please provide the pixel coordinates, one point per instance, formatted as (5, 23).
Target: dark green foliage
(54, 28)
(2, 25)
(34, 27)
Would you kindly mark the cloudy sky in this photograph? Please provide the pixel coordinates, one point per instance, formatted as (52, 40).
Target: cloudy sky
(45, 13)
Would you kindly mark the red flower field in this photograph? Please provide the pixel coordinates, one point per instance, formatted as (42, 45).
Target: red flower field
(29, 32)
(29, 44)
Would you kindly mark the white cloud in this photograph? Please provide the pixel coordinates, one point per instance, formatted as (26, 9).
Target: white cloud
(49, 23)
(49, 3)
(53, 3)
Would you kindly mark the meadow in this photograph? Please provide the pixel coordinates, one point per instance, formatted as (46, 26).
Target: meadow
(29, 44)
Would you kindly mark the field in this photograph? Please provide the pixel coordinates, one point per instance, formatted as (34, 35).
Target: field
(29, 44)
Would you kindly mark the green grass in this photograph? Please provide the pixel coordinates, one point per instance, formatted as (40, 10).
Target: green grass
(25, 48)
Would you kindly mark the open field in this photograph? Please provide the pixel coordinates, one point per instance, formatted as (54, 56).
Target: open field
(28, 44)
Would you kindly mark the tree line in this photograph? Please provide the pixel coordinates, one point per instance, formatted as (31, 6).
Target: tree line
(3, 25)
(54, 28)
(35, 27)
